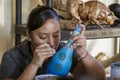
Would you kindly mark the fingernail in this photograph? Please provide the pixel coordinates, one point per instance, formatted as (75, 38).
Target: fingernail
(53, 50)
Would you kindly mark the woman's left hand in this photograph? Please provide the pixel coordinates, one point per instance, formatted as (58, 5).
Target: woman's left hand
(80, 42)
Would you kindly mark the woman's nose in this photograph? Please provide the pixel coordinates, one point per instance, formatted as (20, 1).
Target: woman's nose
(51, 42)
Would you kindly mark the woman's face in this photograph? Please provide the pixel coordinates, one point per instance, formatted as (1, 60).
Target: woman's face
(49, 33)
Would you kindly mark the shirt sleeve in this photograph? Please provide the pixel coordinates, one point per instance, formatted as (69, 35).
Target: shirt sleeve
(9, 68)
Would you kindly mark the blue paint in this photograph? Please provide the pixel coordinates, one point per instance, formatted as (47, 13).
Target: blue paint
(61, 61)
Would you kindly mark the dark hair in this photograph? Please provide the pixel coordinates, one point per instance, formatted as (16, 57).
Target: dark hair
(39, 16)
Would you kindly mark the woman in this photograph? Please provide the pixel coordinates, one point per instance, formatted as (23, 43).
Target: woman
(29, 59)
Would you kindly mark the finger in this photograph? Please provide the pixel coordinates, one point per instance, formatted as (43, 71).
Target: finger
(80, 42)
(45, 51)
(46, 55)
(42, 49)
(45, 45)
(83, 28)
(75, 38)
(75, 45)
(70, 33)
(78, 38)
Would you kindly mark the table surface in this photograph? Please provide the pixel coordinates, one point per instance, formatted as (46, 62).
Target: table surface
(68, 78)
(54, 77)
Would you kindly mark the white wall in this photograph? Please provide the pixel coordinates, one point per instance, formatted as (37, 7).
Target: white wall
(7, 25)
(95, 46)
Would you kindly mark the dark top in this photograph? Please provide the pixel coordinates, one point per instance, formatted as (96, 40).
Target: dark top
(18, 58)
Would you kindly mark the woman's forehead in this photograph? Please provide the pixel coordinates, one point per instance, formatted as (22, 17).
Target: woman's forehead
(51, 25)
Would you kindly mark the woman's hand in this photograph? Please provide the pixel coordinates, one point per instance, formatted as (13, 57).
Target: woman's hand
(41, 54)
(80, 43)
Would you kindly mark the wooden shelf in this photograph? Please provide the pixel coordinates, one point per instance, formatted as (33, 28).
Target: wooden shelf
(110, 32)
(20, 29)
(103, 33)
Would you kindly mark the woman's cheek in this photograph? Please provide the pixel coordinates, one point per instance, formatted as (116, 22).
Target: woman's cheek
(57, 41)
(37, 42)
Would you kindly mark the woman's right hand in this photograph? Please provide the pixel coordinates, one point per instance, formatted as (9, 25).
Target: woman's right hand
(41, 54)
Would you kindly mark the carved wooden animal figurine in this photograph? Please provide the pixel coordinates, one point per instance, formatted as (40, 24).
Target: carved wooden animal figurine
(95, 12)
(109, 61)
(100, 56)
(89, 12)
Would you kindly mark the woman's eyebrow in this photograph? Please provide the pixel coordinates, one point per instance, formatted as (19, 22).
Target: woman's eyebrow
(43, 33)
(47, 33)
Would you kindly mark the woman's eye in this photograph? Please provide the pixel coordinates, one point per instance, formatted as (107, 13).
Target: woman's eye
(56, 35)
(43, 37)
